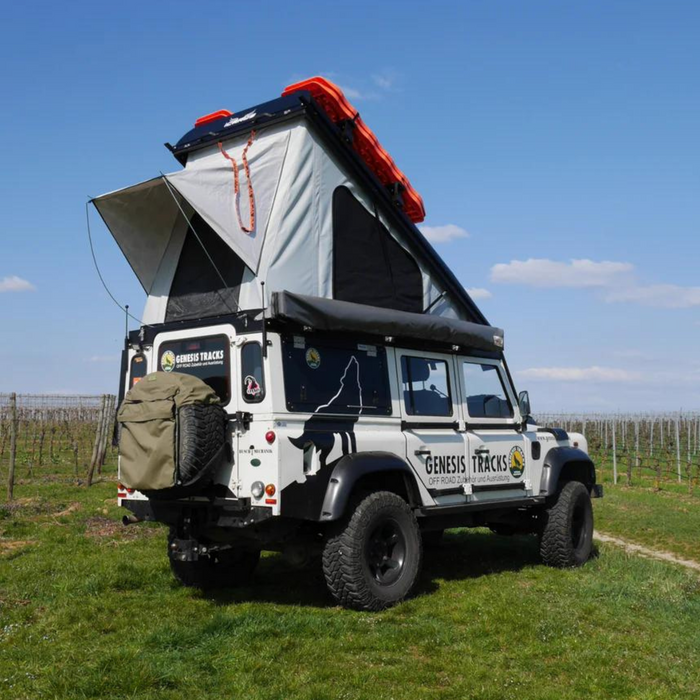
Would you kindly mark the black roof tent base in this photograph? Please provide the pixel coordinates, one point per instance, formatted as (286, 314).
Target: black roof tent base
(302, 104)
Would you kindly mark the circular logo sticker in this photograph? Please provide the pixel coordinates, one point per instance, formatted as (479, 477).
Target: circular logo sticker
(516, 462)
(167, 361)
(313, 358)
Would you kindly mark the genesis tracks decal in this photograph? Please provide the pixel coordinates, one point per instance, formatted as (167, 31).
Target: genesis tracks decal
(313, 358)
(516, 462)
(167, 362)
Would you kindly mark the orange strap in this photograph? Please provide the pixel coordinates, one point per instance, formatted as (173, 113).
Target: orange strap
(236, 185)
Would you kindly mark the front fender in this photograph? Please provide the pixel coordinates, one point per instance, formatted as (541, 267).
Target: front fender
(567, 463)
(350, 469)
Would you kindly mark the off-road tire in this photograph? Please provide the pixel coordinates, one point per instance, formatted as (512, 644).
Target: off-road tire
(567, 536)
(201, 438)
(226, 569)
(352, 557)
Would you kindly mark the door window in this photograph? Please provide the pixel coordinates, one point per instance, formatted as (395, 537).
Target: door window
(485, 394)
(426, 386)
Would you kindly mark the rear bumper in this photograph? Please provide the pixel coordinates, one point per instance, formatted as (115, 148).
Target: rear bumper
(225, 515)
(597, 491)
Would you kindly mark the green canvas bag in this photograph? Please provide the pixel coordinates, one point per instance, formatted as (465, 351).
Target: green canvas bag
(148, 445)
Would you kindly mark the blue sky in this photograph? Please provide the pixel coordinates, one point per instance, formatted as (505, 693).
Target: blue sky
(538, 133)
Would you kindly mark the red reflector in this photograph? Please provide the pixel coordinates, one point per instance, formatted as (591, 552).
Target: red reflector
(213, 117)
(270, 436)
(271, 501)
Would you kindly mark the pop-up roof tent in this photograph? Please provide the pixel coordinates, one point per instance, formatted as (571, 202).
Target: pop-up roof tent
(297, 193)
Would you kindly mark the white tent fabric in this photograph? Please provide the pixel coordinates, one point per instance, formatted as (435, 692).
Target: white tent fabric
(207, 184)
(294, 177)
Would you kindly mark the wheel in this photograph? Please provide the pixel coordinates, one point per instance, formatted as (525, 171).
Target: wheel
(201, 439)
(372, 560)
(225, 569)
(567, 535)
(432, 538)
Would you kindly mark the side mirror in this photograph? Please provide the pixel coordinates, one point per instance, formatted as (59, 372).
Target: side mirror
(524, 404)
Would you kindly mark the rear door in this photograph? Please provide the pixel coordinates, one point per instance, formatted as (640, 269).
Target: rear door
(430, 410)
(495, 445)
(205, 353)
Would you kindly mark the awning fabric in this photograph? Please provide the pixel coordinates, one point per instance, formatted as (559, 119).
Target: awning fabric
(346, 317)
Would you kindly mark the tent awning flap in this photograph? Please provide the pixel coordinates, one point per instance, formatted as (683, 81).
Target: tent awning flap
(347, 317)
(141, 218)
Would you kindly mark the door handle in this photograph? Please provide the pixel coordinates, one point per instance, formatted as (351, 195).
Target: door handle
(482, 451)
(422, 451)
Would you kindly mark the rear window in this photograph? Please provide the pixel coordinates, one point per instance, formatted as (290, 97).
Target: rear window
(206, 358)
(326, 377)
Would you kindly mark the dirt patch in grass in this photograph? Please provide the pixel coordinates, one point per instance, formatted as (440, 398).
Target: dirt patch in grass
(102, 528)
(12, 546)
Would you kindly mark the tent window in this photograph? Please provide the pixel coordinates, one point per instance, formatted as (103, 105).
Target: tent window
(197, 290)
(369, 266)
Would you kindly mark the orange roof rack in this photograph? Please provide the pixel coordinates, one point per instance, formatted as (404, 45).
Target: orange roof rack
(334, 103)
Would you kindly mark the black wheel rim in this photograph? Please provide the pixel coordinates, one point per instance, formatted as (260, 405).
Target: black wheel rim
(386, 552)
(578, 525)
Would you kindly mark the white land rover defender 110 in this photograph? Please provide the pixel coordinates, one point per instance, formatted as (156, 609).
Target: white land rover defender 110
(356, 411)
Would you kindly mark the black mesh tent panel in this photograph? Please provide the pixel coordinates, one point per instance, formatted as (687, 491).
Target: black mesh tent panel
(197, 290)
(369, 266)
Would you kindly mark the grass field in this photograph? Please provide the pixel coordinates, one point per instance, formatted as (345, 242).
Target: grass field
(88, 609)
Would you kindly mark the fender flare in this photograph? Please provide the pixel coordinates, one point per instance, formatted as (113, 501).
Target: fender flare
(351, 468)
(560, 459)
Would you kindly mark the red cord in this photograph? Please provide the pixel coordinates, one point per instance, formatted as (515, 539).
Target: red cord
(236, 185)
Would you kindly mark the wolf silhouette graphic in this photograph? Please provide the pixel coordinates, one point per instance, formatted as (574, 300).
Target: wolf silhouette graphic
(321, 431)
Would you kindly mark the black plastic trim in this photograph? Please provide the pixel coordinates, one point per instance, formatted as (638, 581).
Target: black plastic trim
(353, 467)
(556, 462)
(426, 425)
(517, 486)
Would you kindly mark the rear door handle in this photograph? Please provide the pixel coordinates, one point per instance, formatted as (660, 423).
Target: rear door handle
(422, 451)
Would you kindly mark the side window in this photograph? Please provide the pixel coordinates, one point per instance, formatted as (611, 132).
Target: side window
(486, 397)
(323, 376)
(252, 376)
(426, 386)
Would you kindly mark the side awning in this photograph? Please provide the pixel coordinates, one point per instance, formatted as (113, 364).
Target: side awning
(348, 317)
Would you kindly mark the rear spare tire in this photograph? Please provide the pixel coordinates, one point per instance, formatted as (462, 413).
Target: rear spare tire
(372, 559)
(567, 535)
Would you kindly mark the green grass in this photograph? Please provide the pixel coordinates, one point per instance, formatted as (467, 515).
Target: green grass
(664, 520)
(88, 609)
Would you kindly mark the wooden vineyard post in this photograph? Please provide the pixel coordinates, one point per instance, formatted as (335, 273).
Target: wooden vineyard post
(678, 450)
(109, 407)
(13, 446)
(614, 451)
(96, 446)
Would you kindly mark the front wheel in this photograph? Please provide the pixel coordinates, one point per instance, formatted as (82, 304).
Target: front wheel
(372, 560)
(567, 536)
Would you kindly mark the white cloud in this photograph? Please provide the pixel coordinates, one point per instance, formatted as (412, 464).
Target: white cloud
(443, 234)
(665, 296)
(386, 79)
(580, 374)
(104, 358)
(16, 284)
(352, 93)
(542, 272)
(479, 293)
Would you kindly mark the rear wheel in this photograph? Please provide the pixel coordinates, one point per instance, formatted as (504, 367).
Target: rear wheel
(567, 536)
(373, 559)
(224, 569)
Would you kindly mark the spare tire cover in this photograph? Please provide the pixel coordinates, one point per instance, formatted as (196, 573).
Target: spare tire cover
(173, 433)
